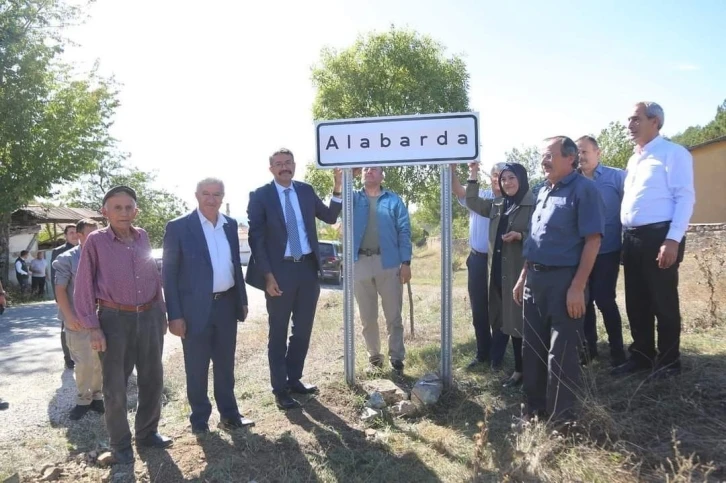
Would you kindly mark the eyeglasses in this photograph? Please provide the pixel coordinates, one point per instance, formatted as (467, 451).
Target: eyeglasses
(282, 164)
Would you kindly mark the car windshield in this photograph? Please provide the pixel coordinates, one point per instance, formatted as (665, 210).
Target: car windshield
(326, 250)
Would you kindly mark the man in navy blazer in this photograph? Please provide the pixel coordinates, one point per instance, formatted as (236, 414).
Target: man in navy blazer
(205, 297)
(285, 263)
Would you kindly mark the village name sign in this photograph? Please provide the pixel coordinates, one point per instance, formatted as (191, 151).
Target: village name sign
(398, 140)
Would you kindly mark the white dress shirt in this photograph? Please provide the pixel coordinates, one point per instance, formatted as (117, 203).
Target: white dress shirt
(304, 242)
(219, 252)
(659, 187)
(478, 225)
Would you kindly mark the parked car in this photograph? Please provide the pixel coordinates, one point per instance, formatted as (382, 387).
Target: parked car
(331, 260)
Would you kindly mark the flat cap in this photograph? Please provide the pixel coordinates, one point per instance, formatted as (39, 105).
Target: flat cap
(119, 189)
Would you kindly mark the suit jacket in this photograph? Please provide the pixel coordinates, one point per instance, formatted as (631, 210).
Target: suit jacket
(268, 233)
(187, 271)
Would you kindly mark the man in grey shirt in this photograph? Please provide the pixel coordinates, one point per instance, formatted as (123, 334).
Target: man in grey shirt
(87, 367)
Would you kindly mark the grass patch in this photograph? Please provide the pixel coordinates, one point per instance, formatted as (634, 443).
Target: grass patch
(666, 431)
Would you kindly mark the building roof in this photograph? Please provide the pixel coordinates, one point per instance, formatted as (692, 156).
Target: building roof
(58, 214)
(707, 143)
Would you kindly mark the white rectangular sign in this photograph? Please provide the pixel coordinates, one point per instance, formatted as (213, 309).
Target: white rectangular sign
(398, 140)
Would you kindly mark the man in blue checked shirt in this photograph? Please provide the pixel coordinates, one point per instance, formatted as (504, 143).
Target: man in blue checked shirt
(382, 255)
(604, 276)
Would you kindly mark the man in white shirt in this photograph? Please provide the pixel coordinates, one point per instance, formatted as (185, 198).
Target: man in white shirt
(656, 208)
(205, 298)
(490, 344)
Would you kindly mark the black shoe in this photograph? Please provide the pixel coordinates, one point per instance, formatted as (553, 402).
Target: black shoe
(475, 363)
(237, 423)
(4, 405)
(78, 412)
(97, 405)
(588, 355)
(285, 402)
(397, 365)
(513, 381)
(70, 365)
(376, 362)
(200, 428)
(299, 387)
(617, 358)
(123, 456)
(155, 440)
(631, 366)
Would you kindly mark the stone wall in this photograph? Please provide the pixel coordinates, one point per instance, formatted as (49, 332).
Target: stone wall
(703, 235)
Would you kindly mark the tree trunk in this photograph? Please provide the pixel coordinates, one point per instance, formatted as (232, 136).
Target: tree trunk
(4, 247)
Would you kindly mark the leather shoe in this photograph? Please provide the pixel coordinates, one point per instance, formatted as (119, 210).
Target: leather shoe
(237, 423)
(631, 366)
(154, 440)
(123, 456)
(97, 405)
(475, 364)
(299, 387)
(200, 428)
(4, 405)
(617, 358)
(78, 412)
(285, 402)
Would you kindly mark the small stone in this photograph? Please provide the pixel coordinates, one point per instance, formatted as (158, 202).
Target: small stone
(51, 474)
(404, 408)
(369, 414)
(376, 401)
(391, 392)
(371, 433)
(106, 459)
(427, 391)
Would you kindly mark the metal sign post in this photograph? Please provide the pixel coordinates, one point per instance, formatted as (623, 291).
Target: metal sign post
(446, 276)
(348, 308)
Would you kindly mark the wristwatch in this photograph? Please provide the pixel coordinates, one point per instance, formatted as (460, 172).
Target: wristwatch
(407, 262)
(337, 193)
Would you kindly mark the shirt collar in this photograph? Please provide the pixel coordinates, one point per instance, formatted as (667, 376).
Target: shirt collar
(650, 145)
(281, 189)
(221, 219)
(566, 180)
(110, 233)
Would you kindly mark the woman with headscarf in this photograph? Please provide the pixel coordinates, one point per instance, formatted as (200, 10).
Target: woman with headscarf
(510, 217)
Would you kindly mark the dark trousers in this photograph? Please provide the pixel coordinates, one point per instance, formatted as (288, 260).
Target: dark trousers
(650, 293)
(300, 291)
(216, 343)
(23, 282)
(477, 265)
(132, 340)
(499, 338)
(37, 286)
(603, 286)
(64, 345)
(551, 343)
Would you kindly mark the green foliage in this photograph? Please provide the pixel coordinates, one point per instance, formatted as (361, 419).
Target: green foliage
(156, 206)
(615, 145)
(700, 134)
(530, 158)
(398, 72)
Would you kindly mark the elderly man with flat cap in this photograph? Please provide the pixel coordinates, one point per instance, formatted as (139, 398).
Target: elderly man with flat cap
(119, 299)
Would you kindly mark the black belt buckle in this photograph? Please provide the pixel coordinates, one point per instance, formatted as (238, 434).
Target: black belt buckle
(369, 253)
(538, 267)
(302, 258)
(218, 295)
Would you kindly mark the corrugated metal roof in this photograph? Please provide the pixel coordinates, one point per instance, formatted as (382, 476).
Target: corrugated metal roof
(60, 214)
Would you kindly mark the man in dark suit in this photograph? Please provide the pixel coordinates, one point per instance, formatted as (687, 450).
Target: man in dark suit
(205, 297)
(285, 263)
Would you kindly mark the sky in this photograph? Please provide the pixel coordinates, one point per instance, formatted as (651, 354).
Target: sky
(213, 88)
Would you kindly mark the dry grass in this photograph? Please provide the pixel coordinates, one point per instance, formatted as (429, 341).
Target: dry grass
(667, 431)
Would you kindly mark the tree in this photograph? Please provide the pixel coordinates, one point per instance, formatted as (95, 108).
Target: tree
(398, 72)
(53, 126)
(156, 206)
(531, 159)
(697, 134)
(615, 145)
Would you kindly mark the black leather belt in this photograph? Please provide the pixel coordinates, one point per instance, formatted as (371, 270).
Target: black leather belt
(481, 254)
(369, 253)
(538, 267)
(219, 295)
(307, 256)
(652, 226)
